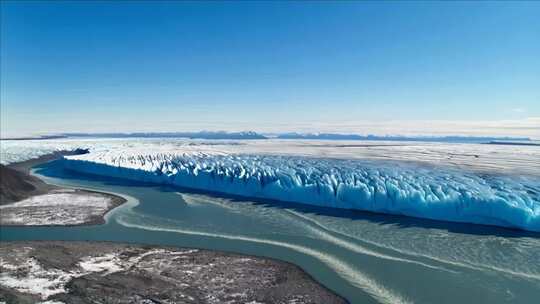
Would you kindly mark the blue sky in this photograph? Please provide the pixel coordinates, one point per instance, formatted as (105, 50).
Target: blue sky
(361, 67)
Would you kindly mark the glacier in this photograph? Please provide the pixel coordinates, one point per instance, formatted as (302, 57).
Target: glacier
(424, 190)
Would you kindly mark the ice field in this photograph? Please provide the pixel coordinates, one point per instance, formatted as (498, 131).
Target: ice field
(473, 183)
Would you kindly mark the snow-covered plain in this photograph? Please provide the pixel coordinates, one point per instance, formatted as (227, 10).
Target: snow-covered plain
(474, 183)
(59, 207)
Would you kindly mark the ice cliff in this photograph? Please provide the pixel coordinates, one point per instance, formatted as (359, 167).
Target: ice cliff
(423, 191)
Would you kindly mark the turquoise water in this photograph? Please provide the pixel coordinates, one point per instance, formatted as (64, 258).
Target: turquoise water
(366, 258)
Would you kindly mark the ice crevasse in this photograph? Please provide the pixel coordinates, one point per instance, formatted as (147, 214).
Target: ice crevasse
(377, 186)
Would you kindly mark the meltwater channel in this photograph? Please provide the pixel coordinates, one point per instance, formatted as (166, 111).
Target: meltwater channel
(364, 257)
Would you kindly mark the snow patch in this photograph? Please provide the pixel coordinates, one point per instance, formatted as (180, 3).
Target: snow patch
(106, 264)
(30, 277)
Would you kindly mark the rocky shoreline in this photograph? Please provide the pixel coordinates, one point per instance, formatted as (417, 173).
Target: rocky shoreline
(25, 200)
(99, 272)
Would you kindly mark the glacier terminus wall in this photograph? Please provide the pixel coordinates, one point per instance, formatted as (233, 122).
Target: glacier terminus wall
(392, 187)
